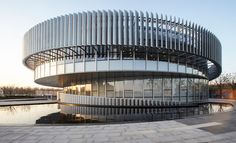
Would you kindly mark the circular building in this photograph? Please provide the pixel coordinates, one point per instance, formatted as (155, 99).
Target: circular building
(123, 58)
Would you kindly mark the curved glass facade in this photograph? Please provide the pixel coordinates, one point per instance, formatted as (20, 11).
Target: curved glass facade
(160, 88)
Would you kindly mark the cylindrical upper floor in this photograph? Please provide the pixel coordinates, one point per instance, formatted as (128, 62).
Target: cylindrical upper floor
(123, 28)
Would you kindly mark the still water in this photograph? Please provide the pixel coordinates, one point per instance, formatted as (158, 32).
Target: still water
(67, 114)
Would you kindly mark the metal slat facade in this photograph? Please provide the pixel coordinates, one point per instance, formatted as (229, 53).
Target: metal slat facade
(126, 22)
(94, 28)
(141, 30)
(61, 31)
(99, 28)
(75, 29)
(131, 28)
(79, 30)
(170, 33)
(66, 28)
(152, 31)
(57, 32)
(175, 34)
(115, 28)
(70, 30)
(109, 28)
(122, 28)
(89, 28)
(157, 31)
(84, 28)
(166, 32)
(136, 28)
(104, 28)
(147, 30)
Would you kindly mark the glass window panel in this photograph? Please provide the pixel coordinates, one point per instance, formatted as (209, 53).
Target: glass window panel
(110, 94)
(60, 69)
(201, 89)
(128, 84)
(47, 69)
(81, 89)
(173, 59)
(196, 85)
(183, 89)
(53, 70)
(73, 90)
(114, 52)
(128, 93)
(101, 86)
(140, 53)
(157, 88)
(94, 86)
(110, 89)
(35, 74)
(167, 88)
(95, 93)
(138, 88)
(128, 88)
(65, 89)
(175, 89)
(147, 93)
(163, 57)
(110, 85)
(152, 54)
(195, 71)
(88, 89)
(42, 70)
(119, 89)
(190, 89)
(147, 88)
(147, 83)
(172, 67)
(127, 53)
(182, 68)
(39, 71)
(207, 89)
(189, 70)
(69, 68)
(162, 66)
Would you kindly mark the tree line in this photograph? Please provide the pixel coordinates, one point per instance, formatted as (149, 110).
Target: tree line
(30, 91)
(224, 81)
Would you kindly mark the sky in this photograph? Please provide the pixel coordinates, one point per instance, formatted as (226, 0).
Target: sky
(18, 16)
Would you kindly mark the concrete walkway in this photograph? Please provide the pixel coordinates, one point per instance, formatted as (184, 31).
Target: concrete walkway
(25, 102)
(216, 128)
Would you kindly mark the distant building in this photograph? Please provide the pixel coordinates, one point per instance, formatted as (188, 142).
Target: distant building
(123, 58)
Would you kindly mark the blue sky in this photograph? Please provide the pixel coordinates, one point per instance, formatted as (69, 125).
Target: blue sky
(17, 16)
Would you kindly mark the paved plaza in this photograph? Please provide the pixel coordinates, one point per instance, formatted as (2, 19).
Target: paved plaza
(219, 128)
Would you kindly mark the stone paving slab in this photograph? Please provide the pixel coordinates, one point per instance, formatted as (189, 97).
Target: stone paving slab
(149, 132)
(216, 128)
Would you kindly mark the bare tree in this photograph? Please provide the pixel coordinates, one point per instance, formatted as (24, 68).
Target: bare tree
(221, 82)
(11, 90)
(232, 80)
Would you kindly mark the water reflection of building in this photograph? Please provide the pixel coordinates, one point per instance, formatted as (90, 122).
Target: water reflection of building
(103, 114)
(120, 58)
(82, 114)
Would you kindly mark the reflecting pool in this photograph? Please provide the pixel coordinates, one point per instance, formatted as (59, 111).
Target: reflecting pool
(68, 114)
